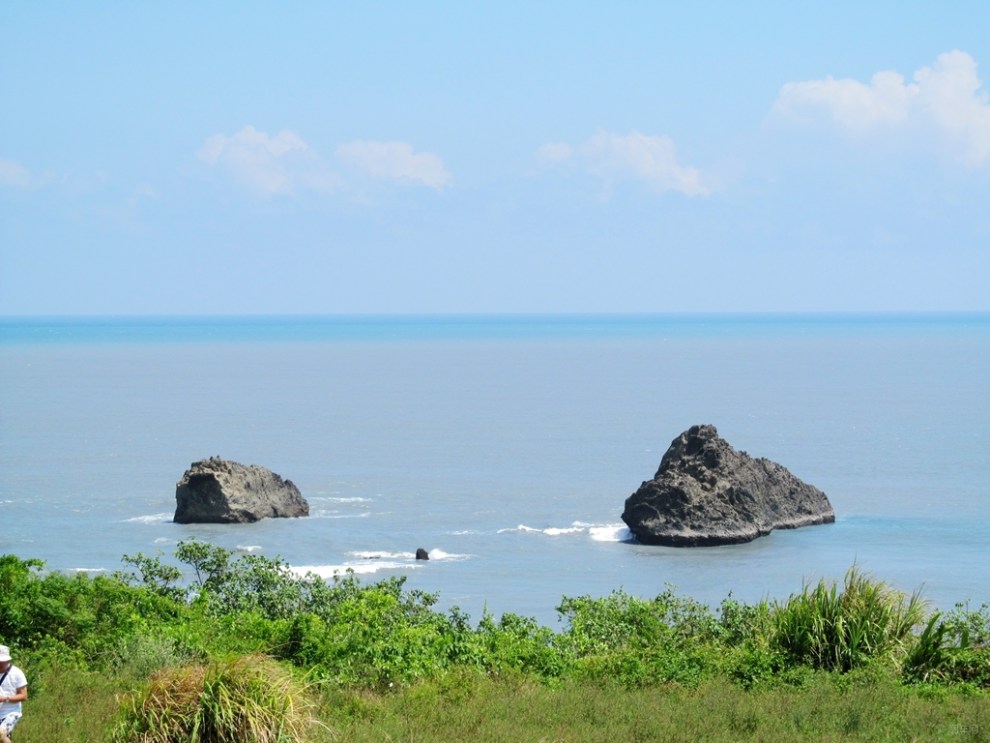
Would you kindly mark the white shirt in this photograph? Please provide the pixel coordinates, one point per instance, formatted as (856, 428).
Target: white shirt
(14, 681)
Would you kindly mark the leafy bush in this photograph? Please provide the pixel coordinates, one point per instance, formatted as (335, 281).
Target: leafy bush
(969, 627)
(620, 620)
(375, 635)
(513, 644)
(946, 653)
(639, 642)
(88, 615)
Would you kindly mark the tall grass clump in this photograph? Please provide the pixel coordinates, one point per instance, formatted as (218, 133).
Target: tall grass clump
(835, 630)
(250, 699)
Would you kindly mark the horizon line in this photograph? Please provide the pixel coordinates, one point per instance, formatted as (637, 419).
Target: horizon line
(501, 315)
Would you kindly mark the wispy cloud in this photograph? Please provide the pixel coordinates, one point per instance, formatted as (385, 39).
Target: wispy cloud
(946, 98)
(15, 175)
(284, 164)
(269, 165)
(394, 161)
(651, 160)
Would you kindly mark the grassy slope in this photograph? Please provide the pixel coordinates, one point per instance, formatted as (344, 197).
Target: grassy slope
(78, 707)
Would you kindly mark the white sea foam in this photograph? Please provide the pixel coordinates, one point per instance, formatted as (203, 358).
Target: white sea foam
(366, 562)
(611, 533)
(377, 555)
(438, 554)
(326, 514)
(597, 532)
(154, 518)
(249, 547)
(435, 554)
(338, 499)
(364, 567)
(521, 528)
(87, 570)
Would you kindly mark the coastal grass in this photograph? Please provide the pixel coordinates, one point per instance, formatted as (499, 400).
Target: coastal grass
(839, 630)
(474, 706)
(247, 698)
(514, 710)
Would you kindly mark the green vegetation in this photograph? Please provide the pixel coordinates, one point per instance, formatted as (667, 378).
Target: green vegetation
(247, 698)
(246, 651)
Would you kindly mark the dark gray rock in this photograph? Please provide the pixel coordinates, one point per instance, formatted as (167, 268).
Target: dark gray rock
(217, 491)
(422, 554)
(706, 493)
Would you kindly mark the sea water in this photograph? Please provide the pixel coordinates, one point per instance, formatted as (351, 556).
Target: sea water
(505, 446)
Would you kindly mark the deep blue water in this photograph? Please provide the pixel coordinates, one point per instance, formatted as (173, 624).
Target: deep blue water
(504, 445)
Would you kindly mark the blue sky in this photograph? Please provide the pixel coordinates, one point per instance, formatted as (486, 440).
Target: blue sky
(435, 157)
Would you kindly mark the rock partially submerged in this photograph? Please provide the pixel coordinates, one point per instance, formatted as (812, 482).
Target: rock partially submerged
(706, 493)
(218, 491)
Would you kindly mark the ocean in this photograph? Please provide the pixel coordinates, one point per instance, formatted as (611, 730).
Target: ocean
(504, 445)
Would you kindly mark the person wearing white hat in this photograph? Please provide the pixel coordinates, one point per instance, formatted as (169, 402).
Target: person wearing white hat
(13, 691)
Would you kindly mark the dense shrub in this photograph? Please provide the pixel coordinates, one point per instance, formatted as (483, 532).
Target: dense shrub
(86, 614)
(637, 642)
(952, 649)
(512, 644)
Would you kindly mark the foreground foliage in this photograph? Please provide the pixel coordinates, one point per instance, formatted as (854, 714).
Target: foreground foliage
(248, 698)
(189, 654)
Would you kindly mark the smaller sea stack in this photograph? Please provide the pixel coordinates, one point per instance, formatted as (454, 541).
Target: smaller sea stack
(218, 491)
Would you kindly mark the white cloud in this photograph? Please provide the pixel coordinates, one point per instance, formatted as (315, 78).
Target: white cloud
(394, 161)
(270, 165)
(15, 175)
(945, 98)
(850, 104)
(634, 156)
(284, 164)
(950, 93)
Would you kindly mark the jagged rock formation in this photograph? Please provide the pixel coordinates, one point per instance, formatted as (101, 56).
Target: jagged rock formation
(218, 491)
(706, 493)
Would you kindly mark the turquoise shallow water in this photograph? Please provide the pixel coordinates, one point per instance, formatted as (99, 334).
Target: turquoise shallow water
(505, 446)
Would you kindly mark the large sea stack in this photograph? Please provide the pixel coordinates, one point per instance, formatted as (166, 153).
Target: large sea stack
(706, 493)
(217, 491)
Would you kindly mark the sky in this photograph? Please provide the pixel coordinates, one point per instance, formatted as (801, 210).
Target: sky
(245, 158)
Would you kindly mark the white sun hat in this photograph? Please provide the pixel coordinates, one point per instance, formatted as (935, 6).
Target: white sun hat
(4, 653)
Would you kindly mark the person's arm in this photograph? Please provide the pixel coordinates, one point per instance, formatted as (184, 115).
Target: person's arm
(20, 696)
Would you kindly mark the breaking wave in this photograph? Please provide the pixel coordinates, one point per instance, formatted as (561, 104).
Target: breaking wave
(597, 532)
(154, 518)
(367, 562)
